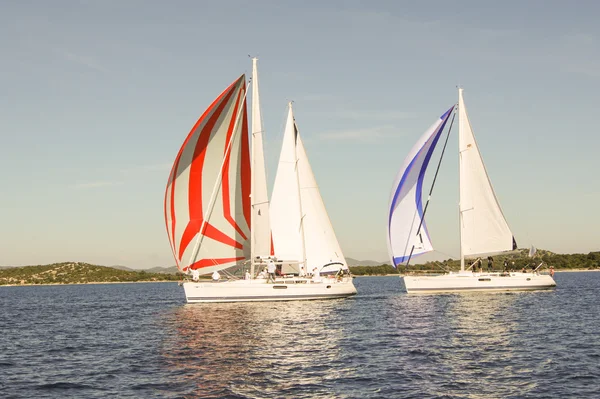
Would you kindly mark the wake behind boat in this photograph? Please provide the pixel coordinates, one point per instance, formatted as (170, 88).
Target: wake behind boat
(483, 227)
(218, 216)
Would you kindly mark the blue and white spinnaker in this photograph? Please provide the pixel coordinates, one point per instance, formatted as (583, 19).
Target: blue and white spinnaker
(406, 203)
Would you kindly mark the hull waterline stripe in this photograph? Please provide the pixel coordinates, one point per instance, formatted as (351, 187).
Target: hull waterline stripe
(261, 297)
(516, 287)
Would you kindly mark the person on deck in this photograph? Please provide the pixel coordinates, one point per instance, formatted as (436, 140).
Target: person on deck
(302, 271)
(216, 276)
(263, 274)
(271, 270)
(316, 275)
(195, 275)
(247, 275)
(490, 263)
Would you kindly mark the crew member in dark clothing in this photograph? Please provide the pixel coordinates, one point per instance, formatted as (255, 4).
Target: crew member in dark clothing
(490, 263)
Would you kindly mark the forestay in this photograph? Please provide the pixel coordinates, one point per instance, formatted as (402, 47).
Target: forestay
(406, 204)
(207, 200)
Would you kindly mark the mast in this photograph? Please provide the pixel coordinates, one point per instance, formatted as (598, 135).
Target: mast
(260, 226)
(297, 170)
(460, 210)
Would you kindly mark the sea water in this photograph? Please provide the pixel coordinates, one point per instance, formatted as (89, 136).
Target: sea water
(144, 341)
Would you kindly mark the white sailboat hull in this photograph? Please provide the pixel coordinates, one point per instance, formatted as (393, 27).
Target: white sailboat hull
(258, 290)
(458, 282)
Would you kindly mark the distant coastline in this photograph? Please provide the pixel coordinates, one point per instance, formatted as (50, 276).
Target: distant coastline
(180, 278)
(516, 260)
(80, 273)
(77, 273)
(89, 283)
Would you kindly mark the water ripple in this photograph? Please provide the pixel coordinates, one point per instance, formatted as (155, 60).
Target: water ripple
(142, 340)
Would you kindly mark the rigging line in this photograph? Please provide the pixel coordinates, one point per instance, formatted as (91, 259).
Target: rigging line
(408, 242)
(302, 215)
(432, 184)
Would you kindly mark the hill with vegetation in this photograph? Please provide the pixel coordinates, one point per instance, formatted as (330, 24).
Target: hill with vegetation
(517, 260)
(84, 273)
(77, 273)
(157, 269)
(355, 262)
(170, 270)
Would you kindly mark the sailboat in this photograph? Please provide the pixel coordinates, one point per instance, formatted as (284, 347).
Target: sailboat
(484, 230)
(217, 210)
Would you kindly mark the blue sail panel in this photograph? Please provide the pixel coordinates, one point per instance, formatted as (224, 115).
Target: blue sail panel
(406, 202)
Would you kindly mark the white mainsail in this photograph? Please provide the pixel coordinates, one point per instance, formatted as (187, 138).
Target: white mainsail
(286, 208)
(260, 221)
(483, 228)
(301, 227)
(207, 199)
(406, 205)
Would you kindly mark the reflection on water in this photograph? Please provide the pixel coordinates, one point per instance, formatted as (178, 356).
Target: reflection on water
(253, 349)
(482, 340)
(143, 341)
(471, 340)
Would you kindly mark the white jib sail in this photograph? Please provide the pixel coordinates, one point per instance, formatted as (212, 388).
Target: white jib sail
(406, 204)
(322, 247)
(484, 229)
(260, 222)
(285, 207)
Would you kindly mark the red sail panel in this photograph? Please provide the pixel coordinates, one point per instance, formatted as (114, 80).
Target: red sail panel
(205, 206)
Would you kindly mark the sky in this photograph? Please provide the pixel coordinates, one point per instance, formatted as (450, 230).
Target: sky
(98, 96)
